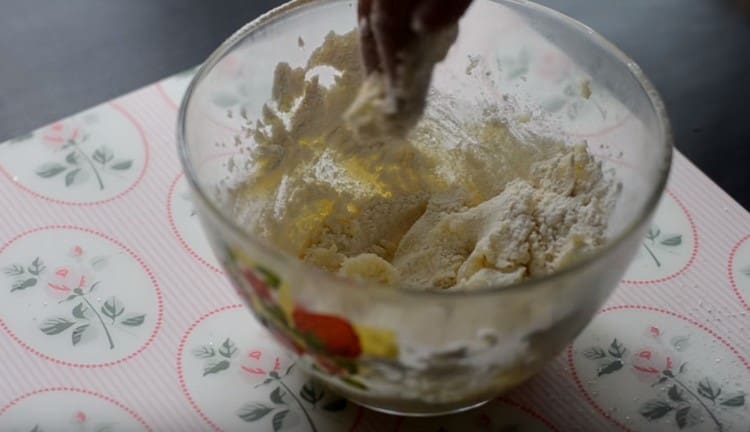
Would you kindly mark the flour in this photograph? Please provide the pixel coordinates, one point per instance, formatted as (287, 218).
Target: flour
(488, 211)
(532, 228)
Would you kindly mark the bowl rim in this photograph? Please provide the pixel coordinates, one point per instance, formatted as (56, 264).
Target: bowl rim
(586, 261)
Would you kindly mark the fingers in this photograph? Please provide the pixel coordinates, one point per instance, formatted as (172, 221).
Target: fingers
(434, 15)
(363, 8)
(396, 39)
(370, 57)
(392, 32)
(385, 28)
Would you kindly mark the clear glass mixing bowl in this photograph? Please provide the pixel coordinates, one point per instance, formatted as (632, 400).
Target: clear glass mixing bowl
(424, 353)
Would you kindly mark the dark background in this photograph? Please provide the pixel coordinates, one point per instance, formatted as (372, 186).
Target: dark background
(59, 57)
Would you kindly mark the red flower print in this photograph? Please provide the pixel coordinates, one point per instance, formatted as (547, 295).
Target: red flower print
(648, 363)
(654, 332)
(66, 280)
(80, 417)
(59, 134)
(256, 365)
(77, 251)
(337, 336)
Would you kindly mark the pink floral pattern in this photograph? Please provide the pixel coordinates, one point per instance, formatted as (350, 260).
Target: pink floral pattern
(282, 401)
(66, 280)
(59, 134)
(74, 158)
(75, 284)
(80, 417)
(678, 392)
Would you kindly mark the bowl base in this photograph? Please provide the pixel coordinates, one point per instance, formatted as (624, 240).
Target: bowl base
(439, 411)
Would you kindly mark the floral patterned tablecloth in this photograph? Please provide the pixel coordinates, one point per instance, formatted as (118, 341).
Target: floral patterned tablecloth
(115, 315)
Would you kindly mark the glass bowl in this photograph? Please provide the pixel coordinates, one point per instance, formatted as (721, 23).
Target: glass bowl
(426, 353)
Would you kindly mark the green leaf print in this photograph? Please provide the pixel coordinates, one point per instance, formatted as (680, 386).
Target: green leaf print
(99, 262)
(216, 367)
(278, 420)
(14, 270)
(227, 349)
(103, 155)
(655, 409)
(672, 240)
(82, 312)
(656, 241)
(36, 267)
(277, 396)
(204, 352)
(594, 353)
(79, 311)
(681, 417)
(70, 177)
(78, 333)
(134, 320)
(72, 157)
(735, 401)
(653, 233)
(56, 325)
(707, 390)
(311, 393)
(610, 367)
(675, 393)
(22, 284)
(122, 165)
(254, 412)
(678, 396)
(50, 170)
(112, 308)
(616, 349)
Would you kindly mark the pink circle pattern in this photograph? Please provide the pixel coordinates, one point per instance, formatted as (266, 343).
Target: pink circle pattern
(20, 399)
(146, 162)
(181, 372)
(176, 232)
(172, 104)
(732, 280)
(693, 253)
(590, 400)
(530, 412)
(132, 254)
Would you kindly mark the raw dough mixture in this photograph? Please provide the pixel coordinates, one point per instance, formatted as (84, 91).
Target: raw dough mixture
(416, 210)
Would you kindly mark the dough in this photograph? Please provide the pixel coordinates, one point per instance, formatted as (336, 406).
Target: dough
(490, 210)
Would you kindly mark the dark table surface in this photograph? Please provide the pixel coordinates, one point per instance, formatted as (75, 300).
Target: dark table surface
(59, 57)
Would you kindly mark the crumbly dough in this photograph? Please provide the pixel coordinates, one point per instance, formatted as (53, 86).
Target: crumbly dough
(490, 210)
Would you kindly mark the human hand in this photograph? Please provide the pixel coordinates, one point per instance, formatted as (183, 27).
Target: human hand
(402, 40)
